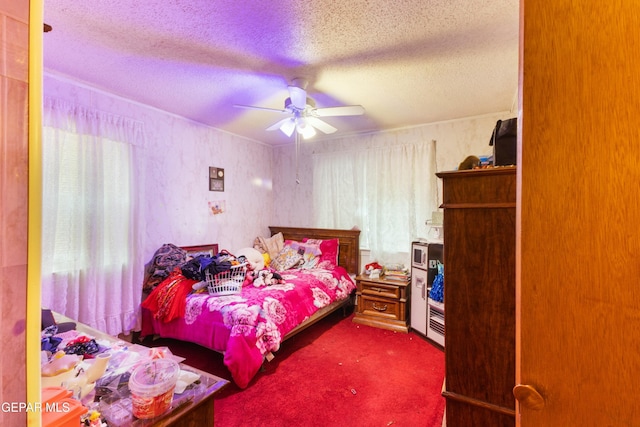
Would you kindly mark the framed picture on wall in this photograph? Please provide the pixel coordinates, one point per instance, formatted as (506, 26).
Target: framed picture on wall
(216, 179)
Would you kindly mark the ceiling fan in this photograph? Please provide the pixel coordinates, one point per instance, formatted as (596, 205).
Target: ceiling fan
(304, 117)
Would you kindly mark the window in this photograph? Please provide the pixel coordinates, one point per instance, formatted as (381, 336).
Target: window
(387, 191)
(90, 256)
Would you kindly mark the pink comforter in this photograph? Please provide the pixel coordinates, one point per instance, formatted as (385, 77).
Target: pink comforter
(247, 326)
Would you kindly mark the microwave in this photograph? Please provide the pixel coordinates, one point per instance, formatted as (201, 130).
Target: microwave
(419, 255)
(427, 256)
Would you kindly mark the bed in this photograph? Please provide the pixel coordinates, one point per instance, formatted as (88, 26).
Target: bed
(249, 327)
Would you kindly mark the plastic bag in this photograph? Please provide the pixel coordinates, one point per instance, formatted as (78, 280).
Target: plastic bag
(437, 288)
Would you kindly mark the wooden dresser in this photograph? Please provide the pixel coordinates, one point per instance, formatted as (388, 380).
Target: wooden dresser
(479, 296)
(382, 303)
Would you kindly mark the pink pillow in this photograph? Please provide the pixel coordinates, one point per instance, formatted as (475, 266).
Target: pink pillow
(329, 249)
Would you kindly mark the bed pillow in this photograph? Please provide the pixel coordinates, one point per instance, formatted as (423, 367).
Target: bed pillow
(329, 252)
(310, 253)
(288, 258)
(271, 245)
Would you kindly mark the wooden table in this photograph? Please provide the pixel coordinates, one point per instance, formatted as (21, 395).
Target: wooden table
(194, 407)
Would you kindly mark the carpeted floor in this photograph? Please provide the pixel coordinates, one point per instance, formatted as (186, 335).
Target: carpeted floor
(335, 373)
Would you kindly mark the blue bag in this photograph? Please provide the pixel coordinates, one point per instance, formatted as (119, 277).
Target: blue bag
(437, 287)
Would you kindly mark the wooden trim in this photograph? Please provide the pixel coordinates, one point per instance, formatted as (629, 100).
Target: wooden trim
(478, 205)
(28, 382)
(382, 323)
(478, 172)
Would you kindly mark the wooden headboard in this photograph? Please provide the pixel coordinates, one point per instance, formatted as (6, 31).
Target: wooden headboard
(349, 252)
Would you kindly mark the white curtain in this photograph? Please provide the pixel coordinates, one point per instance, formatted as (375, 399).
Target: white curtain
(91, 264)
(388, 192)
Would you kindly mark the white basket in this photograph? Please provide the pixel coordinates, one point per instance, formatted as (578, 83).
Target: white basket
(228, 282)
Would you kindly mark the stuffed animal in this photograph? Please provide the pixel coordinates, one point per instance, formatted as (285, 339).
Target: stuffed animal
(250, 276)
(266, 277)
(253, 257)
(470, 162)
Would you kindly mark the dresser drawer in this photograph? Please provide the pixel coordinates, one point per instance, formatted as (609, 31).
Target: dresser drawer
(380, 290)
(380, 307)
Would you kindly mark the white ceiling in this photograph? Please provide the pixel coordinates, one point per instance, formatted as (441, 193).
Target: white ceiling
(408, 62)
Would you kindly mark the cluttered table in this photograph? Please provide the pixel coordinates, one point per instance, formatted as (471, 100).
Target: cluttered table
(137, 386)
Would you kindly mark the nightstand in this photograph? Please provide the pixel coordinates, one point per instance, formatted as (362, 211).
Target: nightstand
(382, 303)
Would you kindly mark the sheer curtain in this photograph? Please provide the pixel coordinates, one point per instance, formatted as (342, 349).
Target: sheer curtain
(91, 267)
(388, 192)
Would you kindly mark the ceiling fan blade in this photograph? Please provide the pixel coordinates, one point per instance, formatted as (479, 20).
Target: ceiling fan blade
(349, 110)
(277, 124)
(253, 107)
(320, 125)
(298, 97)
(287, 126)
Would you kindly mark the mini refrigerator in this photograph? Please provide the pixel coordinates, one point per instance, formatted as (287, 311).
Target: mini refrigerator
(424, 268)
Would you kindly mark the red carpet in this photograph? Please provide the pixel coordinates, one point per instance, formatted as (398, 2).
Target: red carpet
(335, 373)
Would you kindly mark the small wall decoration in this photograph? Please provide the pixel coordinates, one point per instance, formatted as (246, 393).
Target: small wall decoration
(216, 179)
(216, 207)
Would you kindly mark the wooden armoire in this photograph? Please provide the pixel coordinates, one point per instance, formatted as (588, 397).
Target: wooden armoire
(479, 296)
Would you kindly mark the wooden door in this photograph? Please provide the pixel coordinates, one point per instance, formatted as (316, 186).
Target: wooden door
(578, 244)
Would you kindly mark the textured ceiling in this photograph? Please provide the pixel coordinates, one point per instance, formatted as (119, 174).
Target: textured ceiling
(408, 62)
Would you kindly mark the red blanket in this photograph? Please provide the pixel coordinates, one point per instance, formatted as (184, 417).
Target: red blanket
(168, 300)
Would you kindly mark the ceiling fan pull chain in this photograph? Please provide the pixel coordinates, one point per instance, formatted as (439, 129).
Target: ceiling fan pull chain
(297, 151)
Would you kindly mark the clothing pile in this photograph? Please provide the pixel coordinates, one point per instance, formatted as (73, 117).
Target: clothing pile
(168, 299)
(165, 259)
(195, 268)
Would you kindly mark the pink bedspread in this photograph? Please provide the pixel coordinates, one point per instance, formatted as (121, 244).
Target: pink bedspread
(247, 326)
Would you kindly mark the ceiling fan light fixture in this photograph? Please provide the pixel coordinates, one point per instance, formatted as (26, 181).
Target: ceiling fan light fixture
(306, 130)
(309, 132)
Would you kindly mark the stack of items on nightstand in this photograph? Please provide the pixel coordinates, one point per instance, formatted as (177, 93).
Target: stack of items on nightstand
(397, 272)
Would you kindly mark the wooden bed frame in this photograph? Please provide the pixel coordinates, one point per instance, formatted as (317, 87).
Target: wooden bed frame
(348, 257)
(349, 247)
(349, 254)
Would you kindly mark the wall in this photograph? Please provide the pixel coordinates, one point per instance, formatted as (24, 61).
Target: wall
(456, 139)
(14, 48)
(178, 152)
(174, 171)
(263, 185)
